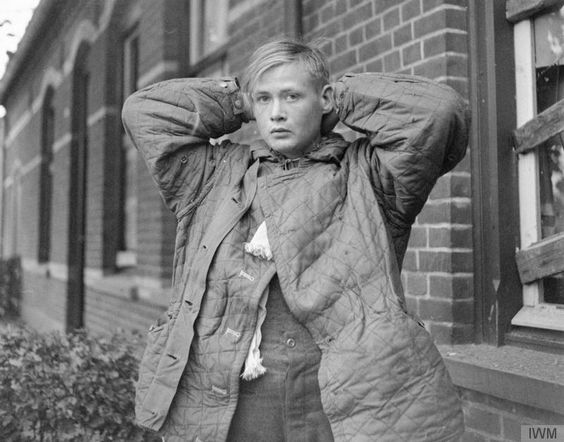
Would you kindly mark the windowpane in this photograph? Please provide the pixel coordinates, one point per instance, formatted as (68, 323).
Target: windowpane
(208, 30)
(549, 61)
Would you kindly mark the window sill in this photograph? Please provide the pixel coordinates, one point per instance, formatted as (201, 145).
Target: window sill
(130, 287)
(496, 371)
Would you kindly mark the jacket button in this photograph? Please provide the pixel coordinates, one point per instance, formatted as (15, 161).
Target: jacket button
(291, 342)
(184, 159)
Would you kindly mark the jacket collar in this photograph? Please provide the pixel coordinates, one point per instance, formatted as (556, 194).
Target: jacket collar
(329, 149)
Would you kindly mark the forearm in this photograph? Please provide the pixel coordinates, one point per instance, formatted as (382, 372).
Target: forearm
(171, 123)
(416, 130)
(407, 113)
(181, 112)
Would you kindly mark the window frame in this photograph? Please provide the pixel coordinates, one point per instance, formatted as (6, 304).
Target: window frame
(535, 313)
(197, 51)
(126, 257)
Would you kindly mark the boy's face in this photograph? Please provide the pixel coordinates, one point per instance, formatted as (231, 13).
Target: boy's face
(288, 108)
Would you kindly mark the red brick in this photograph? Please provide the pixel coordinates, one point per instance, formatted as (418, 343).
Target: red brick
(341, 44)
(445, 261)
(451, 286)
(344, 61)
(450, 211)
(511, 429)
(352, 3)
(418, 237)
(392, 62)
(375, 66)
(446, 333)
(403, 35)
(451, 185)
(483, 420)
(356, 37)
(412, 304)
(440, 19)
(375, 47)
(391, 19)
(444, 310)
(445, 42)
(327, 13)
(411, 53)
(410, 261)
(452, 237)
(471, 436)
(373, 28)
(416, 284)
(445, 65)
(431, 4)
(383, 5)
(356, 16)
(410, 10)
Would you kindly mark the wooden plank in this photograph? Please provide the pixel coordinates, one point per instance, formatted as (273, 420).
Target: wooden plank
(540, 129)
(517, 10)
(541, 259)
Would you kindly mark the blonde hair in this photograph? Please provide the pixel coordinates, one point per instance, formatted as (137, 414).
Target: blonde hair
(282, 51)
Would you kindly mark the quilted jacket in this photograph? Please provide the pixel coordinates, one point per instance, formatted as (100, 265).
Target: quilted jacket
(338, 225)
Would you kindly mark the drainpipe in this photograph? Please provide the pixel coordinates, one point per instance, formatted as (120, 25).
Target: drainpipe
(293, 18)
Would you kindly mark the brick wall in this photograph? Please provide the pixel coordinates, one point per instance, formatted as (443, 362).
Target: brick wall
(425, 38)
(490, 419)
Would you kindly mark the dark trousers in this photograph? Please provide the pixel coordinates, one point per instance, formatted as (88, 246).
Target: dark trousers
(284, 404)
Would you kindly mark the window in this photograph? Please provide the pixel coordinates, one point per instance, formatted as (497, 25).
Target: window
(539, 67)
(208, 27)
(127, 240)
(45, 177)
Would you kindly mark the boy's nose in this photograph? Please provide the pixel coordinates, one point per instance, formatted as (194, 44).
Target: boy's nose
(277, 113)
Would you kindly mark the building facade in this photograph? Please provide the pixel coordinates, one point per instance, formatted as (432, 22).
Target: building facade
(483, 268)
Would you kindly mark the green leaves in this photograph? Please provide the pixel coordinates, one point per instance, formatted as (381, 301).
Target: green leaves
(75, 387)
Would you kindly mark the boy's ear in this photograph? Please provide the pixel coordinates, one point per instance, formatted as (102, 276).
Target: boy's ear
(326, 97)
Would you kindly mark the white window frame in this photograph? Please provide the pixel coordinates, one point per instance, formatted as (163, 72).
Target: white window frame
(535, 312)
(197, 27)
(128, 258)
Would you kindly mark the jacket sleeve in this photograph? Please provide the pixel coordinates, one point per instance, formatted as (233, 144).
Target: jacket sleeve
(171, 124)
(416, 130)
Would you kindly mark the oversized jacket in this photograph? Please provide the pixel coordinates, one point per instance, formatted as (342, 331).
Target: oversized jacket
(338, 225)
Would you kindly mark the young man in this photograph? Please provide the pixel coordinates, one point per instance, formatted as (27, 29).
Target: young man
(288, 320)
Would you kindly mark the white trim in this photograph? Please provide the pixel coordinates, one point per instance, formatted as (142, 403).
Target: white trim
(30, 165)
(102, 113)
(534, 313)
(62, 142)
(546, 316)
(529, 194)
(86, 31)
(159, 70)
(242, 8)
(59, 271)
(19, 125)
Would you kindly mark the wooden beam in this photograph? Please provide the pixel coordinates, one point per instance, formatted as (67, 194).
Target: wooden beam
(517, 10)
(540, 129)
(542, 259)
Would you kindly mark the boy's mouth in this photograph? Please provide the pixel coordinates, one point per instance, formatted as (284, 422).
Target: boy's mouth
(279, 130)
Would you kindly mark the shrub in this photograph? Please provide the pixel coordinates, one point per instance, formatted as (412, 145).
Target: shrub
(74, 387)
(10, 284)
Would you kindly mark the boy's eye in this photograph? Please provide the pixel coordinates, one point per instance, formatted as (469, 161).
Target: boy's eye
(262, 99)
(292, 97)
